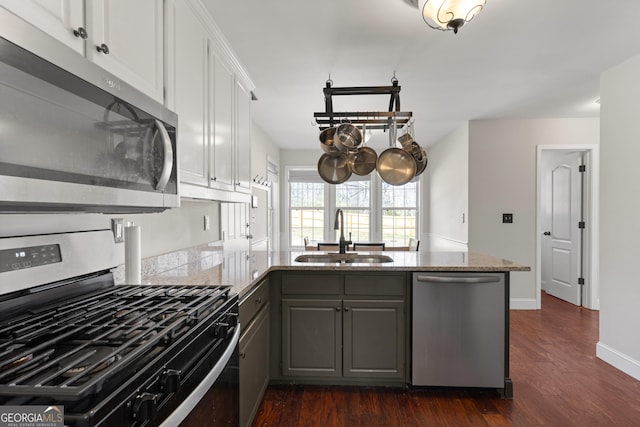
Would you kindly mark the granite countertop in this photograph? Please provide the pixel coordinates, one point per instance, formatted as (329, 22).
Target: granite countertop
(210, 265)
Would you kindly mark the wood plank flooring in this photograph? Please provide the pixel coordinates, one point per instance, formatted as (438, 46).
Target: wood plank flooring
(558, 381)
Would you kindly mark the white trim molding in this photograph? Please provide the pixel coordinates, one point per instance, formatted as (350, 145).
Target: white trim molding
(618, 360)
(523, 304)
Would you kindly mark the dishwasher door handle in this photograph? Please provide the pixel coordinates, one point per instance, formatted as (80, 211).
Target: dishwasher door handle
(451, 279)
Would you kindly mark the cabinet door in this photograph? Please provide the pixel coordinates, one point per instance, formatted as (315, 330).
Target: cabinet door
(189, 88)
(243, 158)
(254, 365)
(58, 18)
(374, 339)
(311, 338)
(133, 34)
(223, 133)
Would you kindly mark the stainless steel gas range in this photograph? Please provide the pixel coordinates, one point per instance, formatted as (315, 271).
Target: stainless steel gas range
(112, 355)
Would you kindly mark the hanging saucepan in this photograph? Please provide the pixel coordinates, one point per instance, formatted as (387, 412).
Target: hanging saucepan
(419, 155)
(412, 147)
(347, 137)
(334, 169)
(363, 161)
(395, 166)
(326, 141)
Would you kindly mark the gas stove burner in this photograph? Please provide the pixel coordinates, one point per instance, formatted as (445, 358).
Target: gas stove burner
(16, 363)
(86, 359)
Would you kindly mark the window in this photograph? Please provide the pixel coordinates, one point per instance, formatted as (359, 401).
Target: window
(374, 211)
(399, 213)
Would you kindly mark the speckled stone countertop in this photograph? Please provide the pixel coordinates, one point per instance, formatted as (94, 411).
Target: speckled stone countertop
(210, 265)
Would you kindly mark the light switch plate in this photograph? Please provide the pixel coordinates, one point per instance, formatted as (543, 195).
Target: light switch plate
(118, 230)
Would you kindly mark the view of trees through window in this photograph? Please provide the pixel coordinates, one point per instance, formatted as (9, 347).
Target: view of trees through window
(307, 212)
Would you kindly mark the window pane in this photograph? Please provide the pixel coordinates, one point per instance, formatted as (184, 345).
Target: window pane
(356, 222)
(306, 212)
(353, 194)
(398, 225)
(399, 213)
(306, 194)
(306, 223)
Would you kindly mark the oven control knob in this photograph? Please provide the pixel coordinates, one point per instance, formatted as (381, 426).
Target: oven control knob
(170, 381)
(144, 406)
(221, 330)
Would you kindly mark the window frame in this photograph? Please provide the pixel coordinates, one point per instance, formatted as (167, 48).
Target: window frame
(375, 209)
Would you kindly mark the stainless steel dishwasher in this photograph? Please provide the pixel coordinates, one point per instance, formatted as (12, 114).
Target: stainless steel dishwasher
(460, 331)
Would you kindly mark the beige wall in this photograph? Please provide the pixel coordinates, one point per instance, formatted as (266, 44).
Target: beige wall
(446, 191)
(502, 179)
(619, 225)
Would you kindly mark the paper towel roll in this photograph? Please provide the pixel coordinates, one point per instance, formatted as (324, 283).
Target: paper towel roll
(132, 254)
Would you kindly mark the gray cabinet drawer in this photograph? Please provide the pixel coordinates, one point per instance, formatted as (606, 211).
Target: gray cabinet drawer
(318, 284)
(375, 284)
(253, 302)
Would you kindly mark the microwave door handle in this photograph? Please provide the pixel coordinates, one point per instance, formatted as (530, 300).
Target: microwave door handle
(167, 167)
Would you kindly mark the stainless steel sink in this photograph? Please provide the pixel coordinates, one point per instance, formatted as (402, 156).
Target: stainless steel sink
(344, 258)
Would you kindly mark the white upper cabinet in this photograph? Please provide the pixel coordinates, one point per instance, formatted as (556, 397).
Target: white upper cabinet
(58, 18)
(243, 156)
(124, 37)
(223, 125)
(190, 72)
(209, 90)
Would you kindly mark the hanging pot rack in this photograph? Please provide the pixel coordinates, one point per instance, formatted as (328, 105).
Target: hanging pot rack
(372, 119)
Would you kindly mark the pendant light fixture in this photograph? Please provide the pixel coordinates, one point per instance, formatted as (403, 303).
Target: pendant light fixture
(448, 14)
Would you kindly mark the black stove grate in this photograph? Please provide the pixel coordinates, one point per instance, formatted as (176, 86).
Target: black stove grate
(69, 350)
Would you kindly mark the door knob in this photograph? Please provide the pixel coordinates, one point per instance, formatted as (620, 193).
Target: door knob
(547, 233)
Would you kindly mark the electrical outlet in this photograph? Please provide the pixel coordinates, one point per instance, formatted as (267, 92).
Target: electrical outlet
(507, 218)
(118, 230)
(207, 223)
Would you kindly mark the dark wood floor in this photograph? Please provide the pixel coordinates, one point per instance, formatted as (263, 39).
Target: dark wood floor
(558, 381)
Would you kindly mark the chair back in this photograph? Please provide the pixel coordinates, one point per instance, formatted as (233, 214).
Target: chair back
(369, 246)
(328, 247)
(414, 244)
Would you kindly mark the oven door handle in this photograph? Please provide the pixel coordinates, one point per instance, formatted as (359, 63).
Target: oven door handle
(190, 402)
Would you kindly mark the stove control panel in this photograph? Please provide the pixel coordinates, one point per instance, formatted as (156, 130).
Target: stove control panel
(33, 256)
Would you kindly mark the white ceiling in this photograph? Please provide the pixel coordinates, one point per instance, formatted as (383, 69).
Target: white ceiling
(516, 59)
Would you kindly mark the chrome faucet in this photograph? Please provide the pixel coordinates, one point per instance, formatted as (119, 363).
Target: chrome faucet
(339, 224)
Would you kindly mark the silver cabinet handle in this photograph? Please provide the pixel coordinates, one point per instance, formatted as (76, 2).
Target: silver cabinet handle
(103, 48)
(449, 279)
(81, 32)
(167, 167)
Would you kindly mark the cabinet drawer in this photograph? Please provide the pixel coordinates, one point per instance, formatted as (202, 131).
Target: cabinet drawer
(374, 284)
(253, 302)
(311, 284)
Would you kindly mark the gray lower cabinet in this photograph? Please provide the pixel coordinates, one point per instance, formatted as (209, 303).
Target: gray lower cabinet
(343, 328)
(254, 351)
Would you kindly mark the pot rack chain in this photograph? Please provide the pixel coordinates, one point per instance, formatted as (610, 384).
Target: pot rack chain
(372, 119)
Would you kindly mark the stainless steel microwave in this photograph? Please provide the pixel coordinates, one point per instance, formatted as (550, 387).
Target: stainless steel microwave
(74, 137)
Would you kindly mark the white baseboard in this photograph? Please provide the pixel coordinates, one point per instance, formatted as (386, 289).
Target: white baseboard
(618, 360)
(523, 304)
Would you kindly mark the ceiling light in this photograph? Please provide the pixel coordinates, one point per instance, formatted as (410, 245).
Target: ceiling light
(448, 14)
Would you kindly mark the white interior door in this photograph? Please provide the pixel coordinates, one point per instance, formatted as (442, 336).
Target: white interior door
(561, 240)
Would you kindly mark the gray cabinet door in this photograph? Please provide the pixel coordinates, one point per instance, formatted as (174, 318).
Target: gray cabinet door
(254, 365)
(311, 337)
(374, 338)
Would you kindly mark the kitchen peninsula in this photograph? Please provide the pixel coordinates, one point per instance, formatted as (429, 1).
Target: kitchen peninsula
(356, 323)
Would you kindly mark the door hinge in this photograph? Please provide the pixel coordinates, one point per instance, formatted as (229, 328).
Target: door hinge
(580, 280)
(582, 168)
(581, 224)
